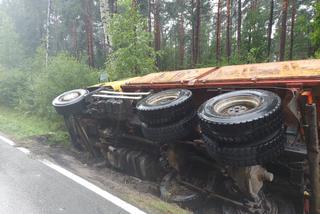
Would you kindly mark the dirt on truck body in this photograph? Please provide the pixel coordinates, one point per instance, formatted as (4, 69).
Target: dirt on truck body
(233, 139)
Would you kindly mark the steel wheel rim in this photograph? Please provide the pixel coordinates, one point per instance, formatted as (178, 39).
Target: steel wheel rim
(163, 99)
(69, 96)
(238, 105)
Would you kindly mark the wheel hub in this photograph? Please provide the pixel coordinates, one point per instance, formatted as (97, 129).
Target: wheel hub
(236, 105)
(238, 109)
(163, 99)
(70, 96)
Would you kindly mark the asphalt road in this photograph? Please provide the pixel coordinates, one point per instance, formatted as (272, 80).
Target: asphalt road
(28, 186)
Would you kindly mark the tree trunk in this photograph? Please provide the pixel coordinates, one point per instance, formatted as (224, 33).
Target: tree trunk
(105, 19)
(115, 5)
(228, 44)
(193, 34)
(283, 30)
(149, 16)
(134, 4)
(112, 7)
(218, 25)
(48, 31)
(181, 40)
(239, 28)
(74, 37)
(293, 17)
(149, 21)
(270, 29)
(253, 7)
(134, 29)
(197, 34)
(157, 29)
(89, 33)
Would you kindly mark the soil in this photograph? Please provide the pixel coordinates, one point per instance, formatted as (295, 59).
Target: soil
(143, 194)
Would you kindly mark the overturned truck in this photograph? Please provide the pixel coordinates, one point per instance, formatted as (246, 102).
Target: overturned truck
(233, 139)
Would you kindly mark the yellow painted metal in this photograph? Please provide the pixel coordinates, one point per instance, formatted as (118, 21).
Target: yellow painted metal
(115, 85)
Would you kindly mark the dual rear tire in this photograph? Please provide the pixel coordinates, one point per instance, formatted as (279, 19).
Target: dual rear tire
(243, 128)
(167, 116)
(239, 128)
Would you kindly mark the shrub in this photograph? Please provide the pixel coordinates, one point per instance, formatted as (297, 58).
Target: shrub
(62, 74)
(13, 83)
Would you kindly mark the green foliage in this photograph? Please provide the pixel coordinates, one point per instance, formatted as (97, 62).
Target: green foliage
(13, 83)
(315, 36)
(33, 89)
(317, 54)
(132, 54)
(11, 53)
(253, 55)
(254, 33)
(302, 36)
(63, 73)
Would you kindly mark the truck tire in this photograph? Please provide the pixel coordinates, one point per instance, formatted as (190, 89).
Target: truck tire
(258, 152)
(70, 102)
(165, 107)
(171, 133)
(239, 117)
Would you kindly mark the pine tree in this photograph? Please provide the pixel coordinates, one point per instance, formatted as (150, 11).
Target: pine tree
(270, 24)
(283, 30)
(89, 31)
(239, 28)
(157, 29)
(293, 19)
(218, 28)
(228, 42)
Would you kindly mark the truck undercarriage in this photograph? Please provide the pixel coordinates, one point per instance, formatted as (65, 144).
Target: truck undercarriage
(232, 147)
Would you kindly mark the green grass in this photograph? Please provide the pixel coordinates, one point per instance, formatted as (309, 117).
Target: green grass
(155, 206)
(21, 126)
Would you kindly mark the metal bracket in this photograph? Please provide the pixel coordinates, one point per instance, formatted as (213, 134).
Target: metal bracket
(105, 93)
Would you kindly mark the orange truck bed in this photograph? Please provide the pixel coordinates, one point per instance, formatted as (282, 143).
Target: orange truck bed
(289, 73)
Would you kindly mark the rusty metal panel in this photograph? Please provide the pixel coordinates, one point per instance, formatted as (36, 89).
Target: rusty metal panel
(293, 73)
(263, 71)
(179, 76)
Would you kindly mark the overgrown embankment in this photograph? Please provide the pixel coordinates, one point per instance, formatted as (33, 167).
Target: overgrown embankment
(26, 94)
(22, 126)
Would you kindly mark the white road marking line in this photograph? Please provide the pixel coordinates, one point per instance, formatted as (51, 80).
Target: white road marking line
(6, 140)
(115, 200)
(24, 150)
(106, 195)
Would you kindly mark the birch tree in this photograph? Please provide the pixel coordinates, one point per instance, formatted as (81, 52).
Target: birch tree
(105, 19)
